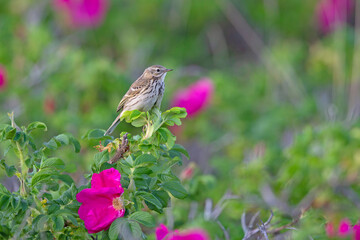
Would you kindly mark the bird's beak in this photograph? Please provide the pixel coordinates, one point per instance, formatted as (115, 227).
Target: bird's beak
(168, 70)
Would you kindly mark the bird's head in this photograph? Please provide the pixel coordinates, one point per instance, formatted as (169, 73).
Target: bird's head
(156, 71)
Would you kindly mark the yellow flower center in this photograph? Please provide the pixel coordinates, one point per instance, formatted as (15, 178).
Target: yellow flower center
(118, 203)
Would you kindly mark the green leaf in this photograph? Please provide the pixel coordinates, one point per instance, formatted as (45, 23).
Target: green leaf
(4, 201)
(53, 208)
(52, 163)
(3, 190)
(63, 139)
(144, 218)
(142, 170)
(9, 170)
(43, 219)
(36, 125)
(53, 144)
(58, 223)
(175, 188)
(101, 157)
(149, 197)
(97, 134)
(128, 230)
(145, 159)
(181, 149)
(65, 178)
(43, 175)
(162, 196)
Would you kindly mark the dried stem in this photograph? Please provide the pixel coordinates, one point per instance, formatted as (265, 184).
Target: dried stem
(123, 148)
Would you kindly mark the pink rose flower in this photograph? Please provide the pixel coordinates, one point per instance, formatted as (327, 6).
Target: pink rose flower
(330, 230)
(332, 14)
(49, 105)
(188, 172)
(102, 203)
(162, 233)
(82, 13)
(356, 230)
(195, 97)
(344, 228)
(3, 77)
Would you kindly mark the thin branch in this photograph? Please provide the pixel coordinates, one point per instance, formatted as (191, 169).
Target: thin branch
(226, 232)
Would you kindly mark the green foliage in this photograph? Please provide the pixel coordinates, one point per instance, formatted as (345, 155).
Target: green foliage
(46, 205)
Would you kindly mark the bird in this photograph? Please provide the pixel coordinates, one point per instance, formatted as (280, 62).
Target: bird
(144, 94)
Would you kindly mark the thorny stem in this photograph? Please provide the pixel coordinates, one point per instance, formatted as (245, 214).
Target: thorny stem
(24, 171)
(23, 167)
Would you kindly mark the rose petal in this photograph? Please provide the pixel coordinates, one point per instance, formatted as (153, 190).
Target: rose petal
(161, 231)
(107, 178)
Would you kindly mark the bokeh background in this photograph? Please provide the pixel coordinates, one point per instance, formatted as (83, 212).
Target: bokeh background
(271, 88)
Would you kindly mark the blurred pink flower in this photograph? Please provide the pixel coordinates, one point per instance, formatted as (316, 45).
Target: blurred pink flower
(162, 233)
(356, 230)
(187, 172)
(3, 77)
(333, 13)
(83, 13)
(344, 227)
(330, 230)
(49, 105)
(102, 203)
(195, 97)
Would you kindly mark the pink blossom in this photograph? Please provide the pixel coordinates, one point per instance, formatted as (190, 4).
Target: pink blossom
(344, 228)
(3, 77)
(49, 105)
(195, 97)
(102, 203)
(356, 230)
(162, 233)
(330, 230)
(82, 13)
(188, 172)
(332, 14)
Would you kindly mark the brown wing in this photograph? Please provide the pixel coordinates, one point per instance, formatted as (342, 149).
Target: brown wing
(135, 89)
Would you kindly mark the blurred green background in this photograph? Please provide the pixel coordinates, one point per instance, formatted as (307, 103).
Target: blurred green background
(282, 129)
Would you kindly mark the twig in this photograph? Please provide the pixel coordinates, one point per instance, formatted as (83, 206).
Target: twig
(253, 218)
(226, 232)
(123, 148)
(243, 224)
(262, 228)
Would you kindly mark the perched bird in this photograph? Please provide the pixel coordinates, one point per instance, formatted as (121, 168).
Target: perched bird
(144, 94)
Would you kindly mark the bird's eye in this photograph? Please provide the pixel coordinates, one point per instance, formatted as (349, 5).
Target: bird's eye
(158, 70)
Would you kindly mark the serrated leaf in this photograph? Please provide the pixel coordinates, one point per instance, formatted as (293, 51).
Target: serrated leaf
(95, 134)
(43, 175)
(41, 222)
(3, 190)
(129, 230)
(150, 198)
(58, 223)
(175, 188)
(181, 149)
(145, 159)
(9, 170)
(144, 218)
(142, 170)
(63, 139)
(162, 196)
(53, 208)
(52, 144)
(36, 125)
(4, 201)
(52, 163)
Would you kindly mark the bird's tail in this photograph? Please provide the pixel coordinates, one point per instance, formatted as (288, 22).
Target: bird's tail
(113, 126)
